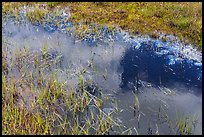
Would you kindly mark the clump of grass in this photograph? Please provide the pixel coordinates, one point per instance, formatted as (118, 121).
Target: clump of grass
(35, 102)
(52, 4)
(35, 15)
(181, 23)
(186, 124)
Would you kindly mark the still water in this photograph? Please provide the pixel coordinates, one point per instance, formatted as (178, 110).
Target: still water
(165, 76)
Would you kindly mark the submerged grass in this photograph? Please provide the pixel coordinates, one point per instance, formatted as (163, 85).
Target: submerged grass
(34, 101)
(182, 19)
(186, 124)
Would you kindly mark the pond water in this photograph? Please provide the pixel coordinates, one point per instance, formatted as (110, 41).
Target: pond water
(165, 76)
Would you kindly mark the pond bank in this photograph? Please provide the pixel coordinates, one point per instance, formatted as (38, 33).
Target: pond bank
(180, 19)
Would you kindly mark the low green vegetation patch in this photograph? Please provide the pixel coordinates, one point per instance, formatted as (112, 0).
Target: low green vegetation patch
(182, 19)
(35, 101)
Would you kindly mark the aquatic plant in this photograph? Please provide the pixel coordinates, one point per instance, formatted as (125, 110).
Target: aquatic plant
(185, 124)
(38, 103)
(32, 83)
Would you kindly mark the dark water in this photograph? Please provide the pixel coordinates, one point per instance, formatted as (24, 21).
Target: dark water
(166, 76)
(160, 69)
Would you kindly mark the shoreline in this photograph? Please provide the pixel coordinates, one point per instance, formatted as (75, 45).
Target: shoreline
(132, 17)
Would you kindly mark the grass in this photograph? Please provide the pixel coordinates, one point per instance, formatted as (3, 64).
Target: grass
(182, 19)
(185, 124)
(34, 101)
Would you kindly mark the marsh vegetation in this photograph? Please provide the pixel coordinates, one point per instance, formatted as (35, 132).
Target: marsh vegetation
(182, 19)
(61, 74)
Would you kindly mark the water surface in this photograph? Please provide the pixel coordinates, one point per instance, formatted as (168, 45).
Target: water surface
(165, 76)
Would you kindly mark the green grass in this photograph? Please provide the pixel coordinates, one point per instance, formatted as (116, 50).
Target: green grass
(35, 102)
(52, 4)
(186, 124)
(182, 19)
(181, 23)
